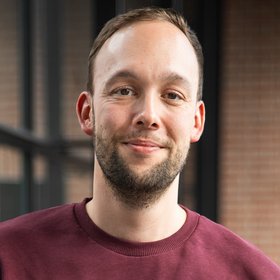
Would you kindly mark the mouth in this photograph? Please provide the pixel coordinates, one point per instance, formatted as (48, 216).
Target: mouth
(143, 146)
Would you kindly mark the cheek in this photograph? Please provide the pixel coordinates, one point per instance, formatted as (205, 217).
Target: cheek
(180, 127)
(111, 120)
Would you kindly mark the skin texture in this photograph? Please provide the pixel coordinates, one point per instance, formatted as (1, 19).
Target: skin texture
(143, 116)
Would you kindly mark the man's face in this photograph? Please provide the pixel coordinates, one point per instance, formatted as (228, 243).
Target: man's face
(145, 109)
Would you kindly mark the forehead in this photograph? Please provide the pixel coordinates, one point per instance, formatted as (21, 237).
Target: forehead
(150, 47)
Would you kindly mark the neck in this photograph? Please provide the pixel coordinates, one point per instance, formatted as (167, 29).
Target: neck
(158, 221)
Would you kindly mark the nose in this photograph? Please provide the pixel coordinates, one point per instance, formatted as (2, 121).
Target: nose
(147, 114)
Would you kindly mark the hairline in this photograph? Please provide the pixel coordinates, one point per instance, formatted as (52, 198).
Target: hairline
(187, 33)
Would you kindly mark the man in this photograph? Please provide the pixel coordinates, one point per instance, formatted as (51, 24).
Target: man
(143, 108)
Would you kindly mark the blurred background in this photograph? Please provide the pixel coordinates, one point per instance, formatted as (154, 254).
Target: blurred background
(232, 175)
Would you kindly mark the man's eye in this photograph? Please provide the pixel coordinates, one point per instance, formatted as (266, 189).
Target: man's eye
(124, 92)
(173, 96)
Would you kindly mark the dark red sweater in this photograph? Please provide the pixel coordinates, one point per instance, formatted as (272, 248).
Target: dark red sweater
(63, 243)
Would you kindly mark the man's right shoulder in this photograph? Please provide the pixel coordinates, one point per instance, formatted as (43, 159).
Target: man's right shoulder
(34, 223)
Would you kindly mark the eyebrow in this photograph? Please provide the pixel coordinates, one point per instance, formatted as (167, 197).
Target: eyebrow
(172, 77)
(120, 75)
(168, 78)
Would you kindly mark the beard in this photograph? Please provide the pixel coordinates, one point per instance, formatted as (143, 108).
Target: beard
(136, 190)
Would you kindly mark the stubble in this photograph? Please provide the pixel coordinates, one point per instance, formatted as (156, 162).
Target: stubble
(137, 190)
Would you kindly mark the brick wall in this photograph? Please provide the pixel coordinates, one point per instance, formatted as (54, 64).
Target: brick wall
(250, 131)
(77, 39)
(9, 63)
(9, 85)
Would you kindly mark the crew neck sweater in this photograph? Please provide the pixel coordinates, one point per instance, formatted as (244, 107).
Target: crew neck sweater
(63, 243)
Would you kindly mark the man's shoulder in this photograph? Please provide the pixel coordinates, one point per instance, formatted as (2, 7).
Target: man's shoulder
(34, 222)
(228, 247)
(222, 235)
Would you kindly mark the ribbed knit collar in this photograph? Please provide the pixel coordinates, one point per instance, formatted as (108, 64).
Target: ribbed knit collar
(136, 249)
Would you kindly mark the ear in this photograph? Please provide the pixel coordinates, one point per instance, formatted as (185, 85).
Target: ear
(199, 120)
(84, 112)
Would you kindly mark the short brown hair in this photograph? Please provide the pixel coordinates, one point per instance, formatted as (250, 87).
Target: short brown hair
(144, 14)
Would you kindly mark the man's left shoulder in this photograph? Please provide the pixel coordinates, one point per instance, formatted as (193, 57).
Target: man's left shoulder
(231, 248)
